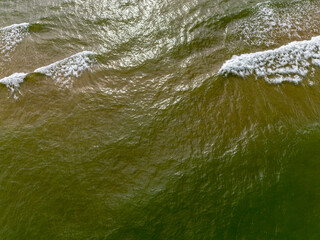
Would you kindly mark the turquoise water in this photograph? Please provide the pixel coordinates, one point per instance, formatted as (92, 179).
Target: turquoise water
(159, 120)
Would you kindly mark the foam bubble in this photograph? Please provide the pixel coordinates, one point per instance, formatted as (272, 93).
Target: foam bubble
(10, 36)
(289, 63)
(62, 71)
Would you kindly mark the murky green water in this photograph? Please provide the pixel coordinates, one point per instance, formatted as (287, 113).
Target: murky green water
(128, 120)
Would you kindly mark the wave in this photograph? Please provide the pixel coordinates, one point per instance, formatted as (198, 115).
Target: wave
(11, 35)
(291, 62)
(61, 71)
(13, 82)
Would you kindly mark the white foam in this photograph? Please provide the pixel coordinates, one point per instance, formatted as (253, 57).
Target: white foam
(289, 63)
(62, 71)
(270, 21)
(13, 81)
(10, 36)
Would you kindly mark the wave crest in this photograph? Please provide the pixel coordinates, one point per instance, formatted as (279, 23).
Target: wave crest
(61, 71)
(289, 63)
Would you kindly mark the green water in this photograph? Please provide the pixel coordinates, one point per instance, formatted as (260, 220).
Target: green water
(151, 142)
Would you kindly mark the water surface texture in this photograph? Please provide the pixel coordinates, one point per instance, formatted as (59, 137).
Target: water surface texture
(152, 119)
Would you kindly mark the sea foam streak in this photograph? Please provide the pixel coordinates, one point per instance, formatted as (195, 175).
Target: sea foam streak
(10, 36)
(289, 63)
(61, 71)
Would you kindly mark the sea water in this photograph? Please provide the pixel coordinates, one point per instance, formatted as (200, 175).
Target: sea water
(194, 119)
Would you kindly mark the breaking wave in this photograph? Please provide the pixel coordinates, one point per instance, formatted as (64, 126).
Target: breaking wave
(10, 36)
(62, 71)
(291, 62)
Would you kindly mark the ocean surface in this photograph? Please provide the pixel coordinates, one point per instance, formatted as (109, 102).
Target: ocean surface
(152, 119)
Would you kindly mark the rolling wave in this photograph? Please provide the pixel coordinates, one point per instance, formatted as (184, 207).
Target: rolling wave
(62, 71)
(291, 62)
(11, 35)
